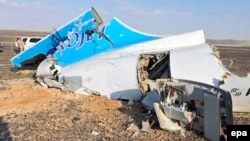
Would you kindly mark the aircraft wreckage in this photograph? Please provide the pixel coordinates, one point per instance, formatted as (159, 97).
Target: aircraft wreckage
(178, 77)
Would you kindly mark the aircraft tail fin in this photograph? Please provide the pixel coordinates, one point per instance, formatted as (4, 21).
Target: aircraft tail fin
(86, 21)
(81, 38)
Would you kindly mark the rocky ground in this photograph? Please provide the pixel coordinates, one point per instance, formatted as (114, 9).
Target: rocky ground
(29, 111)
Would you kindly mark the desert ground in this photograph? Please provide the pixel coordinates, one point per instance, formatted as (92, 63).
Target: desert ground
(29, 111)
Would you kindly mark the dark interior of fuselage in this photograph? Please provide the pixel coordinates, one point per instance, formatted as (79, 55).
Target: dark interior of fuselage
(152, 66)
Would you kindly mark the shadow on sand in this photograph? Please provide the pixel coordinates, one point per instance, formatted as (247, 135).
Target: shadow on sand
(4, 131)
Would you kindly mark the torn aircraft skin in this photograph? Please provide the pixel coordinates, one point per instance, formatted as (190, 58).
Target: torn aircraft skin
(127, 73)
(132, 73)
(202, 65)
(118, 76)
(194, 106)
(80, 39)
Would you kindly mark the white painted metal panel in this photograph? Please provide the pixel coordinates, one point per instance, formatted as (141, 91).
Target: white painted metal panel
(114, 78)
(196, 63)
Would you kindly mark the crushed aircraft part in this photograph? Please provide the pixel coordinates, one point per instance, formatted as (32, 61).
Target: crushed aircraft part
(149, 99)
(193, 105)
(48, 69)
(196, 63)
(119, 87)
(165, 122)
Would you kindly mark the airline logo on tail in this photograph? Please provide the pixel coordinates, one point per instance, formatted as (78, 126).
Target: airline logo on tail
(77, 39)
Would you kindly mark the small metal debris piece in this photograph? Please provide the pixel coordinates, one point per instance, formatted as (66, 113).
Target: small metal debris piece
(145, 125)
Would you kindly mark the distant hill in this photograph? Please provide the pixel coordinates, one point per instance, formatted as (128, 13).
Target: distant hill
(9, 36)
(23, 33)
(228, 42)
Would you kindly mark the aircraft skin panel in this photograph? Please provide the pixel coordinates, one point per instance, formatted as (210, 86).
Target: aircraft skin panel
(123, 35)
(168, 43)
(83, 22)
(188, 60)
(196, 63)
(240, 91)
(124, 64)
(162, 44)
(71, 44)
(116, 80)
(81, 46)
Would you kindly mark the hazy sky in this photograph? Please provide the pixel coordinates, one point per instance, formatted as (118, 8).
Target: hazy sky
(221, 19)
